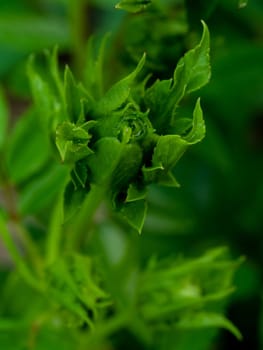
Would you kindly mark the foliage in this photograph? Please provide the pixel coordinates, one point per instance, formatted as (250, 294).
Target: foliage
(92, 163)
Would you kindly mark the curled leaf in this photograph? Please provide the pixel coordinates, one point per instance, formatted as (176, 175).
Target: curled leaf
(72, 141)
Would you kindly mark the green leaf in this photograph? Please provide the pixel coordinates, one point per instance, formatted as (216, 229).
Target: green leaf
(79, 174)
(191, 73)
(49, 94)
(3, 118)
(160, 176)
(193, 70)
(85, 276)
(118, 94)
(168, 151)
(11, 246)
(39, 193)
(72, 141)
(72, 98)
(52, 59)
(134, 213)
(135, 194)
(76, 98)
(52, 336)
(133, 5)
(72, 152)
(93, 73)
(183, 340)
(107, 152)
(49, 108)
(73, 200)
(127, 168)
(197, 132)
(114, 163)
(11, 324)
(171, 290)
(73, 285)
(64, 291)
(157, 99)
(47, 32)
(167, 179)
(207, 320)
(170, 148)
(28, 150)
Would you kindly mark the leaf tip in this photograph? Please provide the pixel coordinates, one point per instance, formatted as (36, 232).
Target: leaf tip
(206, 34)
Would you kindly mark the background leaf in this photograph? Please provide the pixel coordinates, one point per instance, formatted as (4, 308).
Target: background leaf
(133, 5)
(3, 119)
(26, 143)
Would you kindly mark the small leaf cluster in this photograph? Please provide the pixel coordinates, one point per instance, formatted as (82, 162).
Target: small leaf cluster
(183, 294)
(73, 284)
(124, 139)
(86, 308)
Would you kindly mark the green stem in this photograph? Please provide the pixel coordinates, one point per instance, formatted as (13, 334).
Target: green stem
(104, 330)
(17, 258)
(31, 249)
(81, 223)
(79, 28)
(55, 232)
(10, 207)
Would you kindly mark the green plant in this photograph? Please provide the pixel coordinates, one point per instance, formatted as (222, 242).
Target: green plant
(90, 153)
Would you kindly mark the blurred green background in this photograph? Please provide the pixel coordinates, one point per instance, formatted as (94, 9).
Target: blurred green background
(220, 201)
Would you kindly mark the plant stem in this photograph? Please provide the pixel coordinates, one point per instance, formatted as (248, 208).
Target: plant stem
(31, 249)
(104, 330)
(9, 197)
(87, 211)
(55, 232)
(79, 28)
(18, 260)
